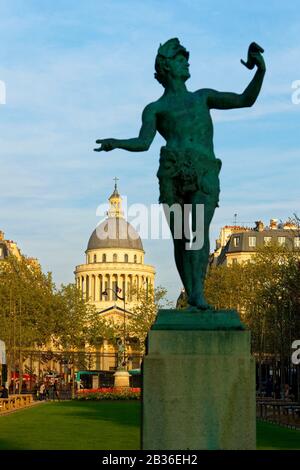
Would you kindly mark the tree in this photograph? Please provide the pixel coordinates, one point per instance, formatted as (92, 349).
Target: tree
(265, 291)
(138, 321)
(34, 314)
(144, 312)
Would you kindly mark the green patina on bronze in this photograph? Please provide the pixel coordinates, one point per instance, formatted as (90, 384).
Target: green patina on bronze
(195, 319)
(188, 171)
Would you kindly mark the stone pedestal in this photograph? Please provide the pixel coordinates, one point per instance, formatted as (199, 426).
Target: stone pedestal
(121, 379)
(198, 383)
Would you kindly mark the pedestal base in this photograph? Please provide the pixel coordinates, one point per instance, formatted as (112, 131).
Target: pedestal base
(121, 379)
(198, 390)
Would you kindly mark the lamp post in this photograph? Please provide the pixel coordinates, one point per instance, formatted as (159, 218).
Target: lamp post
(121, 375)
(124, 324)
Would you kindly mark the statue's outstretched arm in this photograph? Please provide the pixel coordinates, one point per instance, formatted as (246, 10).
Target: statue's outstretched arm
(137, 144)
(224, 100)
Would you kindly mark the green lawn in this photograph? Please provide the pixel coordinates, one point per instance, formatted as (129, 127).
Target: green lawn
(73, 426)
(272, 437)
(105, 425)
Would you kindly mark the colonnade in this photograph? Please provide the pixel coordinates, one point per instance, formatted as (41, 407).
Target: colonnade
(92, 286)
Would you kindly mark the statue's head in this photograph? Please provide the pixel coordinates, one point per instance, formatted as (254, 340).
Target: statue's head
(171, 60)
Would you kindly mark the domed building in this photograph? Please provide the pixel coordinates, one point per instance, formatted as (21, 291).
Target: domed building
(114, 267)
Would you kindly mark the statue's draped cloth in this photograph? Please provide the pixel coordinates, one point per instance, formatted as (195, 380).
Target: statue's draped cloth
(186, 171)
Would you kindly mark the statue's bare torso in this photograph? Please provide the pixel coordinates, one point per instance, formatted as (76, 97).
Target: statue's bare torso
(184, 121)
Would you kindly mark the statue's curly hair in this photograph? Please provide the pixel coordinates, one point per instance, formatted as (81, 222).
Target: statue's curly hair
(160, 69)
(165, 53)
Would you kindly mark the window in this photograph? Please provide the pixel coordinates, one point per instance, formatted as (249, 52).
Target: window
(234, 261)
(296, 242)
(236, 241)
(126, 258)
(135, 258)
(267, 241)
(115, 258)
(103, 258)
(252, 242)
(281, 241)
(95, 258)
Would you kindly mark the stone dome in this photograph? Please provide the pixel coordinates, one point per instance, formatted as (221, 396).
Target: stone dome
(115, 232)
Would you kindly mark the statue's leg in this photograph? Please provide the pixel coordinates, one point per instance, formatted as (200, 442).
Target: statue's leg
(179, 249)
(198, 258)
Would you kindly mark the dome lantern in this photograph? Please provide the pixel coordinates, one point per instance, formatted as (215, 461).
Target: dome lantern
(115, 231)
(115, 203)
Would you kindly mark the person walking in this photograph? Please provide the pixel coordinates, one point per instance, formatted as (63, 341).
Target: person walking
(42, 391)
(3, 392)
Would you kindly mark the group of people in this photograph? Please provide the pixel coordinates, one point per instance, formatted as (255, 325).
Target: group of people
(48, 391)
(276, 391)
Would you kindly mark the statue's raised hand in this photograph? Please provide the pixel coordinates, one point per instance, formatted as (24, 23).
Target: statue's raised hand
(106, 145)
(258, 60)
(255, 57)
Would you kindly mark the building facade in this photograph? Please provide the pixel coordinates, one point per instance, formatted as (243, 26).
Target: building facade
(238, 244)
(8, 247)
(114, 268)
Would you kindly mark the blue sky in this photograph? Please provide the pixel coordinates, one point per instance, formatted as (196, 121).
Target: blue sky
(77, 71)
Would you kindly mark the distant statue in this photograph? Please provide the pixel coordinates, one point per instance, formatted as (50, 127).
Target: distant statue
(188, 171)
(120, 354)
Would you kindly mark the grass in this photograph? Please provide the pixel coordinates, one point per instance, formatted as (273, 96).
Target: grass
(273, 437)
(71, 425)
(105, 425)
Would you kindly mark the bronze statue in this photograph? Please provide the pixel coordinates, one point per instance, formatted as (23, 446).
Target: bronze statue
(188, 171)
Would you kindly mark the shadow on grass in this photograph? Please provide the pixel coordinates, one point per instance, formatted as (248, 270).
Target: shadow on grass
(274, 437)
(121, 412)
(102, 425)
(73, 425)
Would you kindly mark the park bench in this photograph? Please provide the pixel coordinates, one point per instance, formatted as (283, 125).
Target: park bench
(15, 402)
(279, 411)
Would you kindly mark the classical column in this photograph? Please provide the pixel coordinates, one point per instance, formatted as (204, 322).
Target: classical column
(87, 287)
(83, 286)
(108, 287)
(101, 286)
(93, 293)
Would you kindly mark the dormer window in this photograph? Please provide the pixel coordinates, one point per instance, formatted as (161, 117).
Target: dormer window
(252, 242)
(296, 242)
(236, 241)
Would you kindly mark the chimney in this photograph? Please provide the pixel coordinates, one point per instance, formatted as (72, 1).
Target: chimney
(289, 226)
(273, 224)
(259, 226)
(1, 235)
